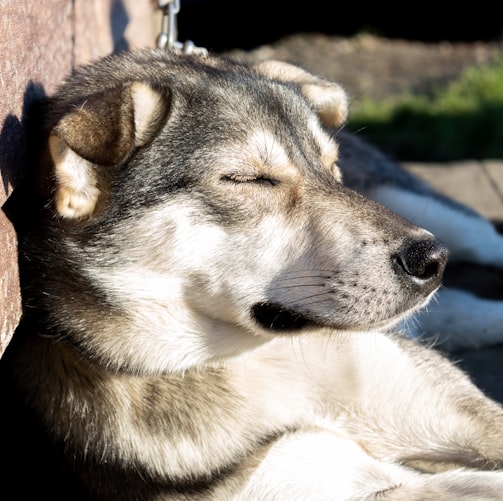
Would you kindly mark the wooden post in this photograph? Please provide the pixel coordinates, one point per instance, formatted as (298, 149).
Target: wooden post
(40, 43)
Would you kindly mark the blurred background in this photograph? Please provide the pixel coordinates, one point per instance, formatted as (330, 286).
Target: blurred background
(433, 68)
(226, 24)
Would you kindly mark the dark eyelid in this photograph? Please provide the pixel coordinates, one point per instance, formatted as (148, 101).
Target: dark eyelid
(243, 178)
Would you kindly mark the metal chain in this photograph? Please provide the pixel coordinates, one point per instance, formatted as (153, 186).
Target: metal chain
(167, 39)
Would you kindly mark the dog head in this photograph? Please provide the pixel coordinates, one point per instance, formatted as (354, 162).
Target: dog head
(195, 210)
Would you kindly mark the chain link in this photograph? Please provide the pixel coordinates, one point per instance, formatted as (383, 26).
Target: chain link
(167, 39)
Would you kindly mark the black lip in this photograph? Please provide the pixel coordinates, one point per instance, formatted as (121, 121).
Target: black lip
(275, 317)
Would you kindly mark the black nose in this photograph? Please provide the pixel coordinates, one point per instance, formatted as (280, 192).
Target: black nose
(422, 261)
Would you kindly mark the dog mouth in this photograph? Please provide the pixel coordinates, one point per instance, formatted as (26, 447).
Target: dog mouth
(276, 318)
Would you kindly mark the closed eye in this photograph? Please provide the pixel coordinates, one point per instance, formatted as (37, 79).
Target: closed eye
(250, 178)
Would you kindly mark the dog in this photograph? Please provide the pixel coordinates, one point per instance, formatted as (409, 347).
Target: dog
(210, 312)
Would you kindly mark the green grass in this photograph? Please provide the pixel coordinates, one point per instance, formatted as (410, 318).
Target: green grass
(461, 120)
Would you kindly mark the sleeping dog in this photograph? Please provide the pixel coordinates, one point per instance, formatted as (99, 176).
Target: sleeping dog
(211, 312)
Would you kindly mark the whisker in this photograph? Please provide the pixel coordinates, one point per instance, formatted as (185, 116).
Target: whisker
(299, 276)
(306, 303)
(293, 286)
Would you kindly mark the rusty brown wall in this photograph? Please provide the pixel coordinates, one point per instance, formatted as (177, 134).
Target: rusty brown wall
(40, 42)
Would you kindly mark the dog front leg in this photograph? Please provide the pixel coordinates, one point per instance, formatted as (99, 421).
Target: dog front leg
(323, 465)
(405, 402)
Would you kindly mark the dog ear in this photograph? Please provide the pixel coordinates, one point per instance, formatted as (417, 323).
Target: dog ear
(329, 98)
(97, 134)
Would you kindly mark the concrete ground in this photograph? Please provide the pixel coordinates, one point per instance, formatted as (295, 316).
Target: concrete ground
(479, 185)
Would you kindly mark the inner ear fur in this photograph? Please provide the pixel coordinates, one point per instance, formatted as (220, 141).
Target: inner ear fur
(101, 132)
(329, 99)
